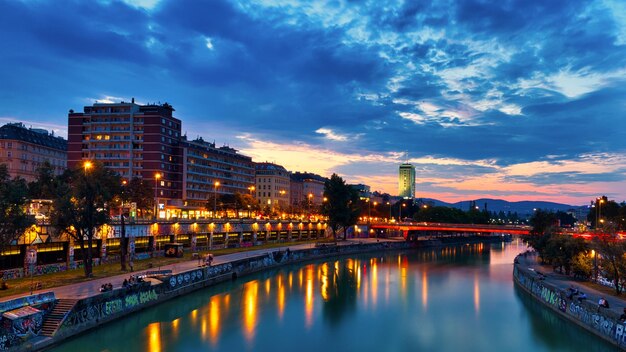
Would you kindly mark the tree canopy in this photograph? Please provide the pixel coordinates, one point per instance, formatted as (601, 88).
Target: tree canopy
(82, 203)
(13, 201)
(341, 205)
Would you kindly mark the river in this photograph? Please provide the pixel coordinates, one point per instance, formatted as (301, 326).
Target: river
(457, 298)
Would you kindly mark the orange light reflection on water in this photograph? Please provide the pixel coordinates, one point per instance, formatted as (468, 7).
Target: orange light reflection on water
(281, 297)
(476, 293)
(214, 319)
(154, 337)
(250, 297)
(424, 289)
(308, 302)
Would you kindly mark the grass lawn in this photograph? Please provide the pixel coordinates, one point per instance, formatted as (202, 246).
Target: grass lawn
(22, 285)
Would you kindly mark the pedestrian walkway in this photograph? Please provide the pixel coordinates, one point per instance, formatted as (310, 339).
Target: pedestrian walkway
(91, 288)
(563, 282)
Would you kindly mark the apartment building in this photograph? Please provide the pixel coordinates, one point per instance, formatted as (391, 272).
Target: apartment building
(24, 150)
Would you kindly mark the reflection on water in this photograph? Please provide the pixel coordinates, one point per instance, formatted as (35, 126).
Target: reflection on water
(428, 295)
(251, 290)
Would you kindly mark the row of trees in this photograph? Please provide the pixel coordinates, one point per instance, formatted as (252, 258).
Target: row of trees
(604, 255)
(83, 200)
(604, 211)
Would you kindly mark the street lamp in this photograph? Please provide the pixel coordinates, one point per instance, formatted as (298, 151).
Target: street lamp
(389, 204)
(215, 185)
(599, 212)
(87, 165)
(309, 202)
(251, 189)
(157, 176)
(400, 212)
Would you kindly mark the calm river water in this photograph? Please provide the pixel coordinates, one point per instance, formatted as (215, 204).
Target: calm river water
(458, 298)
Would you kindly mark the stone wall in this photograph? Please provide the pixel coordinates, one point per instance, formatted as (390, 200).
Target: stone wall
(602, 322)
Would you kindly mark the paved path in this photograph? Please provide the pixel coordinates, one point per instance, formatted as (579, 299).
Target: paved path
(616, 304)
(92, 287)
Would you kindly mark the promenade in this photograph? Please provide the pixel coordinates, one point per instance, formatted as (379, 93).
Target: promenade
(92, 287)
(616, 304)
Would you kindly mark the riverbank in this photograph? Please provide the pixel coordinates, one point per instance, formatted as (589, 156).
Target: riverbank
(552, 290)
(94, 309)
(81, 307)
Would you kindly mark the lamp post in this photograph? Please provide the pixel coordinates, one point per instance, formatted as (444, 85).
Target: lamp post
(157, 176)
(389, 204)
(599, 213)
(309, 196)
(215, 185)
(400, 212)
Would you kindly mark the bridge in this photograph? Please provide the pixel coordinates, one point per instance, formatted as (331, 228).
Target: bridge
(414, 228)
(408, 228)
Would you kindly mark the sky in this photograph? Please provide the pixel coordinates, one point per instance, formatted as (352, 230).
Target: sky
(511, 99)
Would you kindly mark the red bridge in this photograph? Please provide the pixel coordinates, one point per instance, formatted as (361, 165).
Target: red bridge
(426, 227)
(406, 227)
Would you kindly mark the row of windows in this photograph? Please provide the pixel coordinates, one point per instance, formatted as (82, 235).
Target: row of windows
(269, 194)
(169, 123)
(33, 148)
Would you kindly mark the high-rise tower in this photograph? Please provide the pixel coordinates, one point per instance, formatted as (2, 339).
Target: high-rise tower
(406, 181)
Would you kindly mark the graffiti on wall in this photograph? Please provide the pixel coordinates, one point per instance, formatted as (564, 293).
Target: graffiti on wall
(9, 340)
(111, 307)
(583, 312)
(13, 273)
(186, 278)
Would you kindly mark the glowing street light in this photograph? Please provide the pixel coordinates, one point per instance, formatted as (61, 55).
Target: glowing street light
(215, 185)
(87, 165)
(157, 176)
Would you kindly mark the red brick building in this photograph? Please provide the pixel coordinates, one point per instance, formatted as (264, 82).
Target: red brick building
(134, 140)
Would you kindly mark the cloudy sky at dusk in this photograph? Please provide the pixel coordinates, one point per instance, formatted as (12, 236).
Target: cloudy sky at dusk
(517, 100)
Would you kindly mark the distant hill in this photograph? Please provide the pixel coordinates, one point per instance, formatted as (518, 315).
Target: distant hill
(523, 208)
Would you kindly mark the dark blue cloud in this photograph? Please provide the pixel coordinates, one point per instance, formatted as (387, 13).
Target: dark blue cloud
(284, 72)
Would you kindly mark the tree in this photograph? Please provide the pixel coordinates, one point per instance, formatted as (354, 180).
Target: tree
(337, 206)
(13, 200)
(44, 187)
(141, 192)
(353, 209)
(611, 251)
(82, 205)
(543, 228)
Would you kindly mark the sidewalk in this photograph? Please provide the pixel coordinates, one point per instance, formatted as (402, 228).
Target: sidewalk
(616, 304)
(91, 288)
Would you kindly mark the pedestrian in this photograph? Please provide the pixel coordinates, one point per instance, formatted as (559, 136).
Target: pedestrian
(603, 303)
(622, 317)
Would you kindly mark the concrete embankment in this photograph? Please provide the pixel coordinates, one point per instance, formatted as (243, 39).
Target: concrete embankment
(91, 312)
(602, 322)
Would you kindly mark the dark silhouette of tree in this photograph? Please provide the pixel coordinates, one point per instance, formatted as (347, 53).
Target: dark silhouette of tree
(82, 204)
(340, 204)
(140, 192)
(13, 200)
(611, 250)
(44, 187)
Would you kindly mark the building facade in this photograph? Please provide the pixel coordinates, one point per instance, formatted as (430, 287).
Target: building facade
(24, 150)
(272, 186)
(209, 170)
(364, 190)
(406, 181)
(307, 190)
(134, 140)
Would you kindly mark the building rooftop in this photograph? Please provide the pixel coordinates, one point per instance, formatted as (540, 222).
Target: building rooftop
(17, 131)
(302, 176)
(269, 167)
